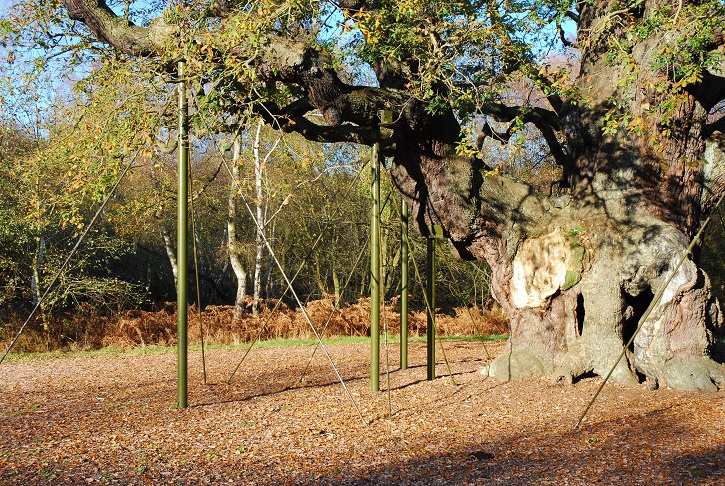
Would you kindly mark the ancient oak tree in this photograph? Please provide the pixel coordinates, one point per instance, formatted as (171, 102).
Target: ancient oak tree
(633, 127)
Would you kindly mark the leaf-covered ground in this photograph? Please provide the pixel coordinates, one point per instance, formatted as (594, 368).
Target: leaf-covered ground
(111, 420)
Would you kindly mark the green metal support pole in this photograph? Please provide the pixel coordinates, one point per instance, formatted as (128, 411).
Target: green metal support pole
(386, 118)
(182, 229)
(404, 285)
(430, 289)
(375, 268)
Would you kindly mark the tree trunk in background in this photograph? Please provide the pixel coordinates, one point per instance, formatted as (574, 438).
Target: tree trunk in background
(392, 267)
(170, 252)
(261, 224)
(232, 243)
(169, 244)
(35, 281)
(271, 267)
(336, 286)
(319, 278)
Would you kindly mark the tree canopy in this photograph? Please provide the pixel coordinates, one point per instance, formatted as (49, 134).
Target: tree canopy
(347, 60)
(431, 63)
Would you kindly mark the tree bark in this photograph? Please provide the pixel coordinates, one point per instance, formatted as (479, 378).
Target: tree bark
(35, 282)
(574, 278)
(170, 252)
(233, 245)
(261, 223)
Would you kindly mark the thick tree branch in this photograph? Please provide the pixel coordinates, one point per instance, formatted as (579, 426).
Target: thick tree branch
(488, 131)
(117, 31)
(553, 142)
(537, 116)
(546, 122)
(718, 40)
(167, 147)
(572, 15)
(221, 8)
(390, 73)
(355, 5)
(276, 59)
(562, 37)
(284, 120)
(557, 151)
(545, 84)
(394, 74)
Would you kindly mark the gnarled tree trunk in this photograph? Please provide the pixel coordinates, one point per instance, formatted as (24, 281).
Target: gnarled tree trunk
(576, 273)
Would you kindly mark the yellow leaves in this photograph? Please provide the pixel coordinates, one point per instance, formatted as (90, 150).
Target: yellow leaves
(694, 76)
(636, 125)
(420, 443)
(496, 171)
(363, 19)
(611, 124)
(208, 50)
(411, 7)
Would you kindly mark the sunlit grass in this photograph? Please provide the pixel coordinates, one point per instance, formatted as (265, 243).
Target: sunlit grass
(113, 351)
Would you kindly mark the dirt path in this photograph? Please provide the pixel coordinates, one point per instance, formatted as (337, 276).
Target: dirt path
(112, 421)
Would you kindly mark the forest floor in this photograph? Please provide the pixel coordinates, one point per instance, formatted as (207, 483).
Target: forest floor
(112, 420)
